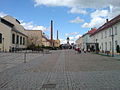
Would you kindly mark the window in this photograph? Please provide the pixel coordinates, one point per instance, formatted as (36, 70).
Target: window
(109, 32)
(110, 45)
(116, 43)
(102, 35)
(17, 41)
(21, 40)
(0, 38)
(102, 46)
(105, 46)
(13, 38)
(105, 34)
(115, 30)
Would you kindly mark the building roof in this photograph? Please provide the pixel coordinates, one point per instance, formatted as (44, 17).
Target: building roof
(108, 24)
(18, 32)
(33, 30)
(90, 32)
(43, 36)
(11, 19)
(6, 22)
(11, 25)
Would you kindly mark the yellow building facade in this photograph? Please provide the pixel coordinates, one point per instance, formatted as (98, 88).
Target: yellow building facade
(34, 37)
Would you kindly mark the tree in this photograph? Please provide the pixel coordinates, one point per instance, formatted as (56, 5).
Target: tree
(34, 39)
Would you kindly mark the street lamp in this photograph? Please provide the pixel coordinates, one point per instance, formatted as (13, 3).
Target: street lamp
(96, 45)
(112, 43)
(3, 44)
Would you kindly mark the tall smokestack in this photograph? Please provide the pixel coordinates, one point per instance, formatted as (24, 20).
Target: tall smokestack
(57, 34)
(51, 33)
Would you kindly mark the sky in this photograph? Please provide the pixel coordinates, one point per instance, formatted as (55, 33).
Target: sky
(72, 18)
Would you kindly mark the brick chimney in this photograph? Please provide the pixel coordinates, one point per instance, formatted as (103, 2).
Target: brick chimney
(51, 33)
(57, 34)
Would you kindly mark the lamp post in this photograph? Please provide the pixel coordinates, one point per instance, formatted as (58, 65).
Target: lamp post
(96, 46)
(112, 43)
(3, 44)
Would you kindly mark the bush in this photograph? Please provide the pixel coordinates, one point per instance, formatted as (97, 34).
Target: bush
(35, 48)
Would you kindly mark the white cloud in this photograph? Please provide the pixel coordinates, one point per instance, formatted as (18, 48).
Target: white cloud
(77, 36)
(67, 3)
(72, 3)
(95, 22)
(79, 6)
(97, 19)
(100, 13)
(31, 26)
(2, 14)
(114, 11)
(77, 20)
(78, 3)
(77, 10)
(69, 34)
(63, 41)
(72, 39)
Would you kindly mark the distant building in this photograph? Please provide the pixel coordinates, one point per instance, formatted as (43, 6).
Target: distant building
(13, 36)
(79, 42)
(34, 37)
(45, 41)
(68, 39)
(56, 43)
(86, 40)
(10, 36)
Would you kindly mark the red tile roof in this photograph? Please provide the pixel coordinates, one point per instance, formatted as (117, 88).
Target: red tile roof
(90, 32)
(108, 24)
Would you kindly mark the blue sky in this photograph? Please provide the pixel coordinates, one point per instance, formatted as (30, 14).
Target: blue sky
(72, 18)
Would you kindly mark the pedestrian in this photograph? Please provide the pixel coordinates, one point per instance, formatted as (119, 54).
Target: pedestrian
(79, 51)
(84, 50)
(88, 49)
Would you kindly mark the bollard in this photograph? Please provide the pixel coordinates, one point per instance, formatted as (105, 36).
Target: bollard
(25, 57)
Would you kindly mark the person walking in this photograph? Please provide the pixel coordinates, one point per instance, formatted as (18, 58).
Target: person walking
(79, 51)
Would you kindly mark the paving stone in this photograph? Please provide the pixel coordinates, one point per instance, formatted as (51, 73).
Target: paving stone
(61, 70)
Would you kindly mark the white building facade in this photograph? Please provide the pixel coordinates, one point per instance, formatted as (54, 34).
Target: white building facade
(108, 35)
(79, 42)
(85, 40)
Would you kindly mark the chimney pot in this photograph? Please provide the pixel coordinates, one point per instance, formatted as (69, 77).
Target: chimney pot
(107, 20)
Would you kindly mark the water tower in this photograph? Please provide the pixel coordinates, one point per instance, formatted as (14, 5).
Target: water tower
(68, 40)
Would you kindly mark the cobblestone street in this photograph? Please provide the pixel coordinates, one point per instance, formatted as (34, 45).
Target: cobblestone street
(61, 70)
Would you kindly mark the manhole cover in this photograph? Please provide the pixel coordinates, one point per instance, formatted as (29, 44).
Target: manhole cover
(49, 86)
